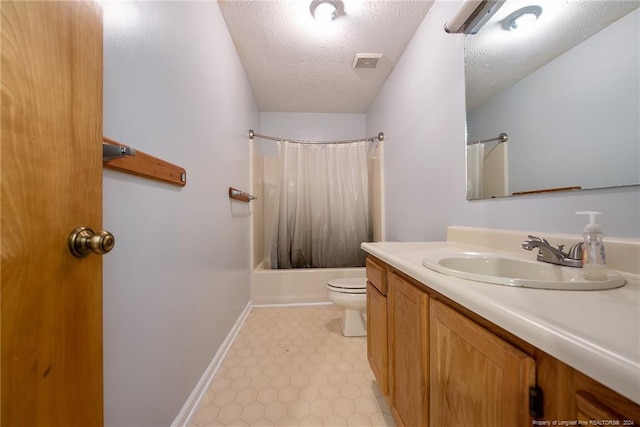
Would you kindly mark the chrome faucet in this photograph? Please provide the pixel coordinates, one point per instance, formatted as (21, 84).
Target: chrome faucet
(547, 253)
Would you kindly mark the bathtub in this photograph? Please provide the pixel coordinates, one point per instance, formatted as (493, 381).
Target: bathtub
(295, 286)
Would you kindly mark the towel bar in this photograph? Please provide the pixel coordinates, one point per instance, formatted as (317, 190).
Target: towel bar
(236, 194)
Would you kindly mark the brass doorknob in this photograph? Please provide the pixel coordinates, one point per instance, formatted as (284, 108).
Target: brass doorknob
(83, 241)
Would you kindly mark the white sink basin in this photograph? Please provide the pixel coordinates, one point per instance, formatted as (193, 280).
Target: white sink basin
(505, 269)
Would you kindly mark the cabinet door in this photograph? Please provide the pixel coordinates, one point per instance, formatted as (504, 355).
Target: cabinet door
(477, 379)
(377, 336)
(594, 401)
(409, 352)
(589, 408)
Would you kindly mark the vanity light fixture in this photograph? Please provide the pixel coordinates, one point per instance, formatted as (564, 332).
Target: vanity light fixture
(522, 18)
(326, 10)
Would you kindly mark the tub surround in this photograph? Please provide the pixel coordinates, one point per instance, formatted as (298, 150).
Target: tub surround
(595, 332)
(296, 285)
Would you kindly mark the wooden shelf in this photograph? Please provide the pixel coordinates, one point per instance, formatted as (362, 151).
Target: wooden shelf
(146, 166)
(236, 194)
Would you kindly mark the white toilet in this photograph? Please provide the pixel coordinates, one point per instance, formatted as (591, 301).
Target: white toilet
(351, 294)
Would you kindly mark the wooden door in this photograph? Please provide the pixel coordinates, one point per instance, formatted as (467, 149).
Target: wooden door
(377, 346)
(409, 352)
(51, 302)
(477, 378)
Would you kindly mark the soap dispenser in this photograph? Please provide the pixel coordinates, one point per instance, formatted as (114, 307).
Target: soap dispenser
(593, 258)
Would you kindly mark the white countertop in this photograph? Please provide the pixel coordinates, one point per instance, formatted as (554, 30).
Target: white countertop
(595, 332)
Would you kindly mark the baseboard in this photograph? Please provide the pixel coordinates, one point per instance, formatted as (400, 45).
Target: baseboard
(191, 405)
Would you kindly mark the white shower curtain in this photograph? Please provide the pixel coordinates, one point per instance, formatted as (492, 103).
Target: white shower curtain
(322, 208)
(475, 162)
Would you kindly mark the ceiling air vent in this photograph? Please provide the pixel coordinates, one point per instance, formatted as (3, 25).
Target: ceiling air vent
(366, 60)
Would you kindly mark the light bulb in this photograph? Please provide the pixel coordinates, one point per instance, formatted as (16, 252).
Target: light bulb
(325, 11)
(523, 21)
(522, 18)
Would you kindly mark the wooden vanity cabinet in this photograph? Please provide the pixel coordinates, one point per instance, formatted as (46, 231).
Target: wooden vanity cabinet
(440, 365)
(571, 395)
(589, 408)
(477, 379)
(593, 401)
(408, 352)
(377, 337)
(377, 347)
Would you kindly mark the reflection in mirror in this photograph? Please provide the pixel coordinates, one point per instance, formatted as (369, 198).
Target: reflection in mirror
(566, 89)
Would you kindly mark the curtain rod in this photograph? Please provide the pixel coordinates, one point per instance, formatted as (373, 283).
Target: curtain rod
(503, 137)
(380, 138)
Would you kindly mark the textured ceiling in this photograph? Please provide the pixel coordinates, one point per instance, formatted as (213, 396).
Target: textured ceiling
(295, 64)
(496, 58)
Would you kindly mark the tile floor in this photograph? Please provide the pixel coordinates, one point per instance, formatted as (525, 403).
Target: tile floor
(291, 366)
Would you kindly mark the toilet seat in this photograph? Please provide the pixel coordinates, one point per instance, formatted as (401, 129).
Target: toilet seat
(348, 285)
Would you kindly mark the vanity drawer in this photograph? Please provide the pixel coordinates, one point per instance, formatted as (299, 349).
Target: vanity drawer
(377, 275)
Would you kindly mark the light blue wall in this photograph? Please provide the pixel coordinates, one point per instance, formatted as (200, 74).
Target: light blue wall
(309, 126)
(178, 277)
(421, 110)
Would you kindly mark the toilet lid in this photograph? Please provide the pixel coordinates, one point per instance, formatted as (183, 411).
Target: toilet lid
(351, 285)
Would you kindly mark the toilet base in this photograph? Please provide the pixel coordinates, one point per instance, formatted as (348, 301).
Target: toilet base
(354, 323)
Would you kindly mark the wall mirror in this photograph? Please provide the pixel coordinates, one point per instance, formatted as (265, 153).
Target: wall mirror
(566, 91)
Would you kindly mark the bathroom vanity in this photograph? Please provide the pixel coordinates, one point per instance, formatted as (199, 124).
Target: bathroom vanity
(450, 351)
